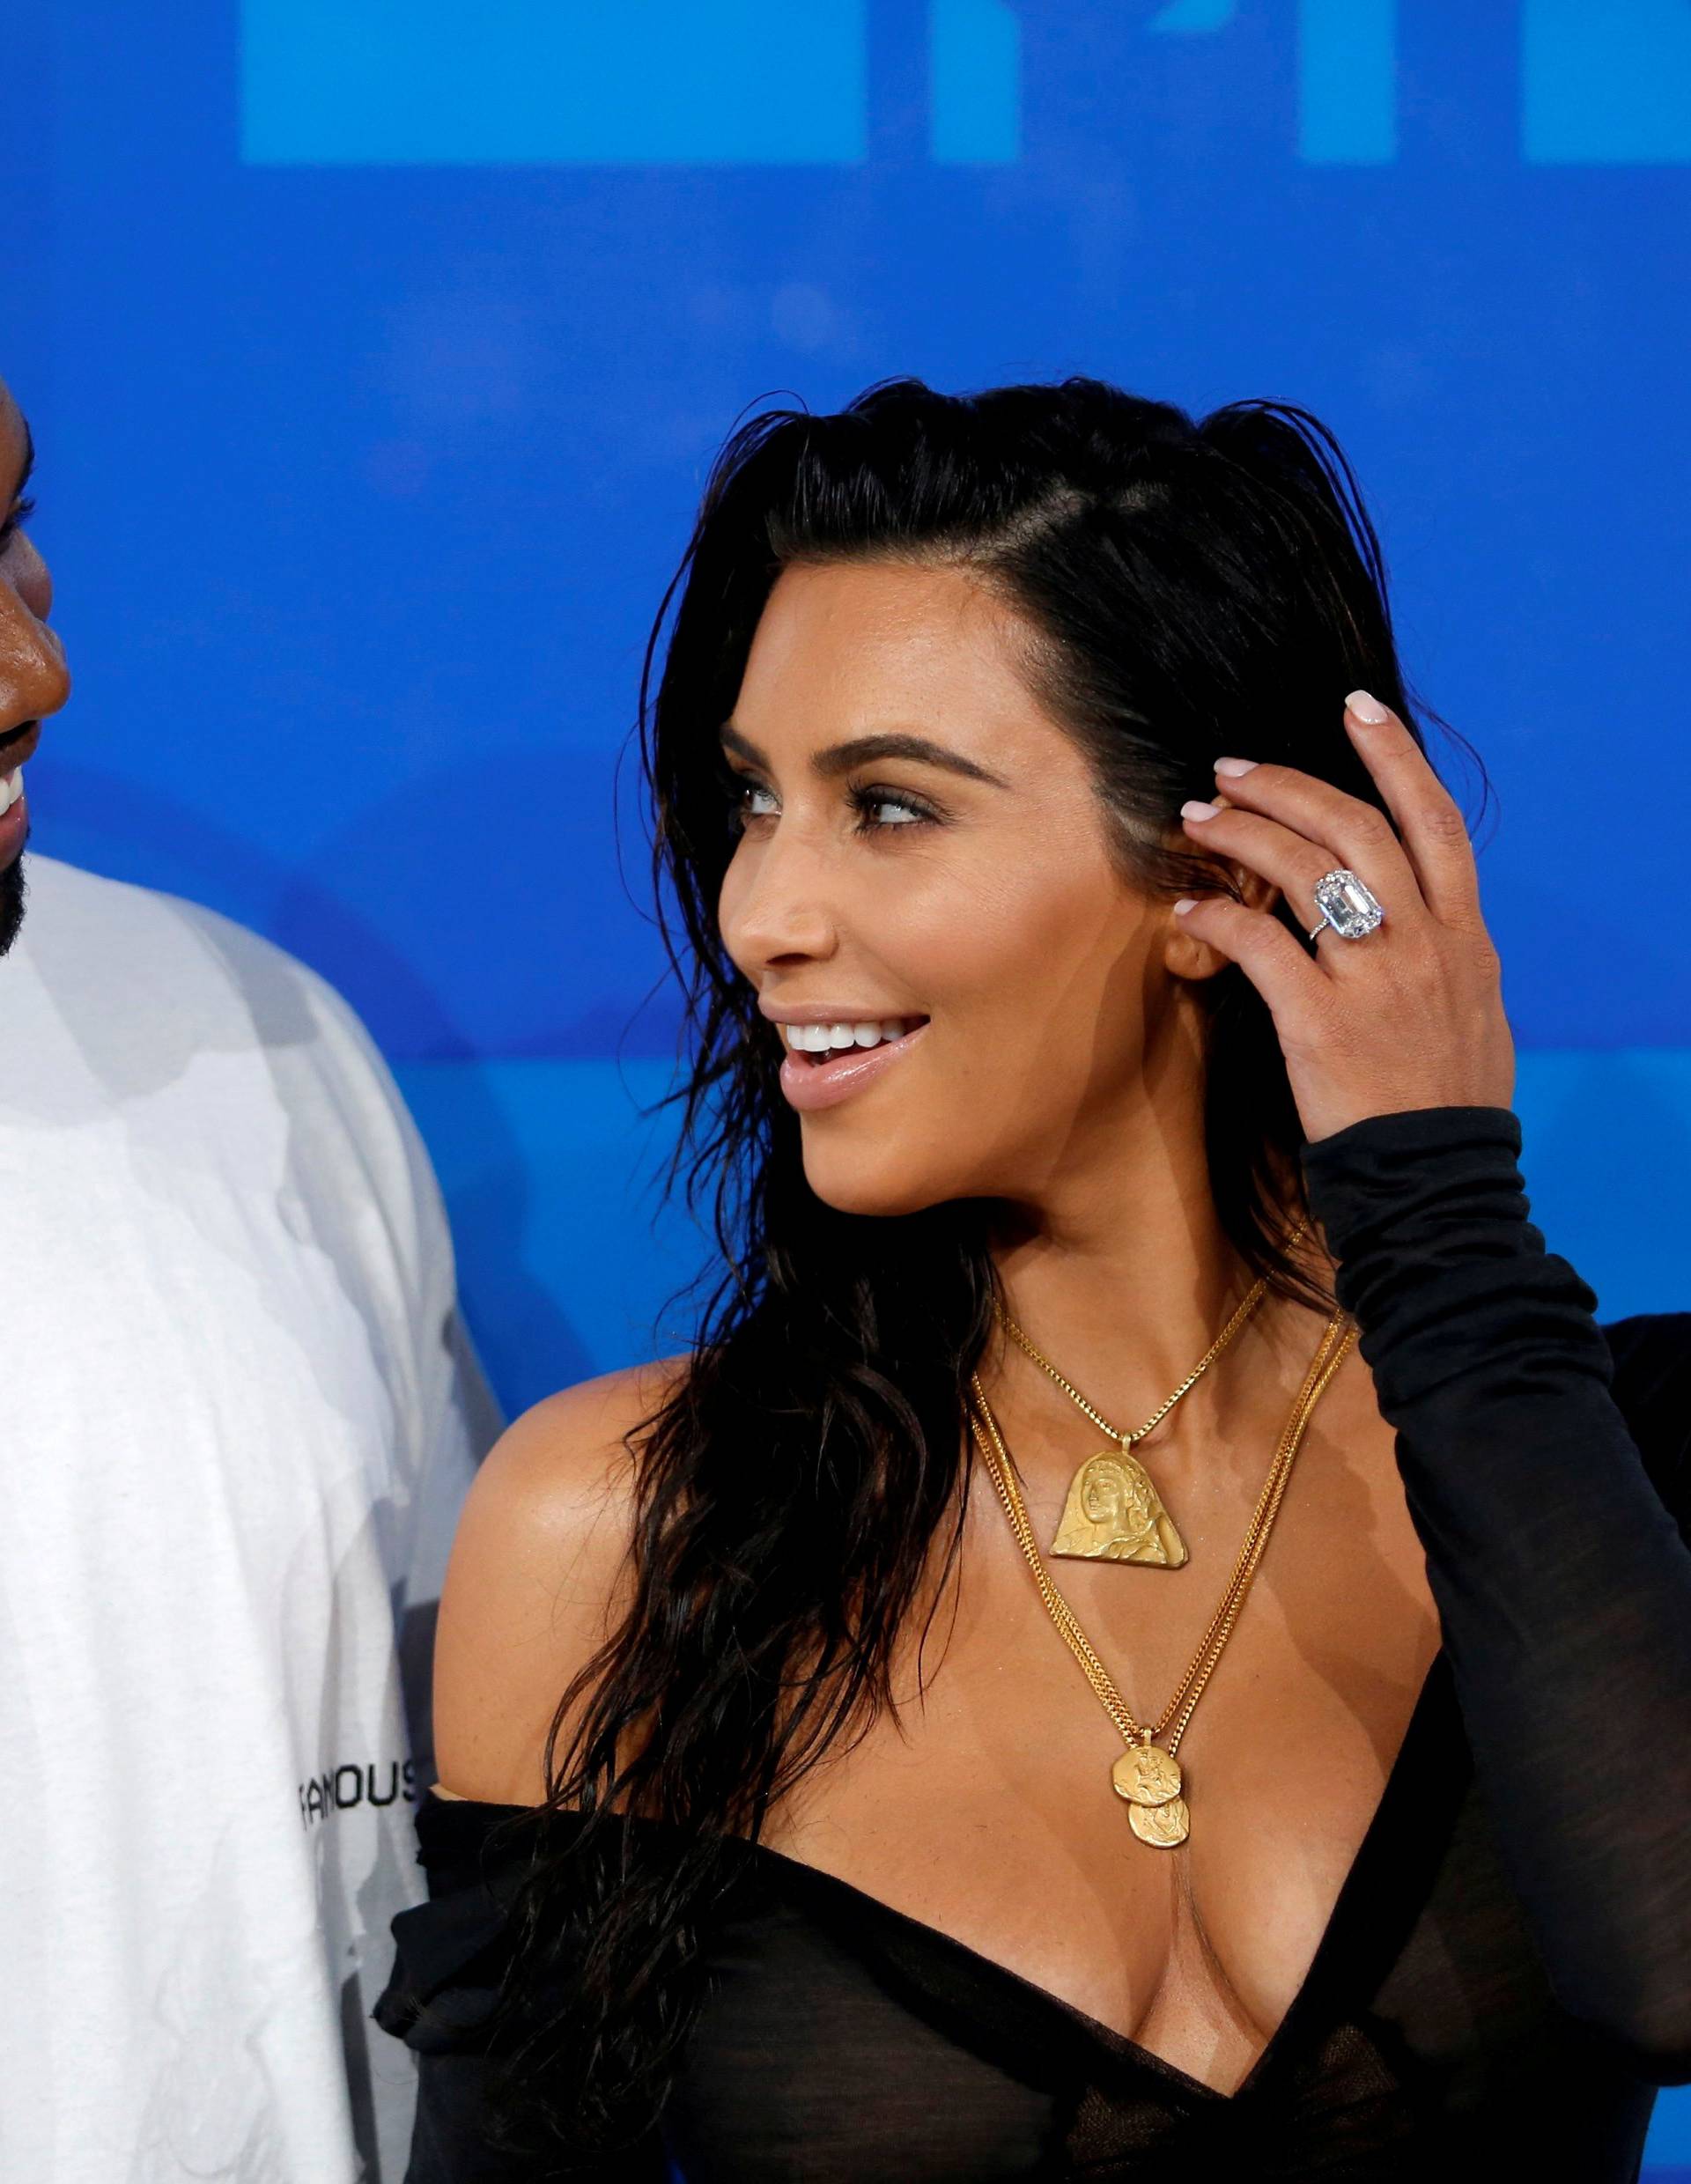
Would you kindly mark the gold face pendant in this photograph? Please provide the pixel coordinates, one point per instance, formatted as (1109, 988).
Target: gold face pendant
(1114, 1514)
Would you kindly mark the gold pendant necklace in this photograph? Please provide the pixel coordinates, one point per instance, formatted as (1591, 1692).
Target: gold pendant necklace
(1148, 1775)
(1113, 1512)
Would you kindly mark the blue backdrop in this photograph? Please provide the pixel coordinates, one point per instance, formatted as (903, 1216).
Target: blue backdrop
(377, 348)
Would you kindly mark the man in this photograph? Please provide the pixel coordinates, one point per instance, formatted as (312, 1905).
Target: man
(237, 1417)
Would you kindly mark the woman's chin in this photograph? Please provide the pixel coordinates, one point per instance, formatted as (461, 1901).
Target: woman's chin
(876, 1196)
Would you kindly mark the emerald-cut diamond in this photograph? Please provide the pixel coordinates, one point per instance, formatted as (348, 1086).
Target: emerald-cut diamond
(1346, 904)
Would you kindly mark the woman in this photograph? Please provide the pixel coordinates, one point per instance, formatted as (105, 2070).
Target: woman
(1049, 1096)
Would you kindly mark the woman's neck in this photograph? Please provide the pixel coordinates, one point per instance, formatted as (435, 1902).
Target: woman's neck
(1124, 1278)
(1128, 1310)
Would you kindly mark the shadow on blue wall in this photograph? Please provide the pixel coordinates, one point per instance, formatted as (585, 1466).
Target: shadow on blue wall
(540, 853)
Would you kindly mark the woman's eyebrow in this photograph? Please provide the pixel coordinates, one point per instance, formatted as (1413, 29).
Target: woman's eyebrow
(839, 758)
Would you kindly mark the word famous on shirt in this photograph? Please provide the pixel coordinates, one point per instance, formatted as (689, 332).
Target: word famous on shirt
(339, 1788)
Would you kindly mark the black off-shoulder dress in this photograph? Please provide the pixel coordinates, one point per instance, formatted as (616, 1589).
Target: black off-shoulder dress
(1506, 1976)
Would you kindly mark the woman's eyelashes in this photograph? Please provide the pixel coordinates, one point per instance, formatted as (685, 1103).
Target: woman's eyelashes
(879, 808)
(872, 805)
(20, 514)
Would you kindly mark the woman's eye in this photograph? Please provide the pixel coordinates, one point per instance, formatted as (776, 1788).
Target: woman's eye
(878, 809)
(749, 799)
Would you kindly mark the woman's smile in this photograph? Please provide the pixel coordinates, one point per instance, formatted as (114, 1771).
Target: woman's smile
(827, 1062)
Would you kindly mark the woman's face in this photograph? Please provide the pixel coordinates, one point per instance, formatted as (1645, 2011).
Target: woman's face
(923, 854)
(34, 681)
(1104, 1498)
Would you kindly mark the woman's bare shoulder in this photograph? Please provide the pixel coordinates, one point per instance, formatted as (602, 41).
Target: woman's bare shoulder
(536, 1580)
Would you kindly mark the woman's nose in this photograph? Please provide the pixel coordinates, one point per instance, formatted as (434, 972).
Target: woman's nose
(775, 908)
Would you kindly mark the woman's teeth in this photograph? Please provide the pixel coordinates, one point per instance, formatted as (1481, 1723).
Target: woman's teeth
(11, 787)
(835, 1038)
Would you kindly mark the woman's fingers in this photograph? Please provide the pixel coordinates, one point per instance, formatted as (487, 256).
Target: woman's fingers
(1271, 836)
(1304, 827)
(1430, 823)
(1409, 1015)
(1291, 981)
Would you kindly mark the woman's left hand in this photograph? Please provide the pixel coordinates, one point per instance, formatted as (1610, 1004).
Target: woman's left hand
(1409, 1015)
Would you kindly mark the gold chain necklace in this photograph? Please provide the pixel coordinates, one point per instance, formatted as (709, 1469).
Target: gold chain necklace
(1148, 1775)
(1113, 1512)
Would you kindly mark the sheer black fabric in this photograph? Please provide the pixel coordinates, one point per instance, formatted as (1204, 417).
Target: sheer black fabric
(1506, 1976)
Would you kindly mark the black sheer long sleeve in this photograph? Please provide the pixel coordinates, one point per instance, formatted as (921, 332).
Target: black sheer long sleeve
(452, 1954)
(1553, 1524)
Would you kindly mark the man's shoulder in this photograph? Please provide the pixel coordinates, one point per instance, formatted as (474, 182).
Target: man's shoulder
(90, 930)
(153, 998)
(232, 1058)
(107, 951)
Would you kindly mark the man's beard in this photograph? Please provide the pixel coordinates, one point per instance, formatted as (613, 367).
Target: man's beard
(12, 903)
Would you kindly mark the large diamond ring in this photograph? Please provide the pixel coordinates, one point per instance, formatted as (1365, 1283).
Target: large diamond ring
(1346, 905)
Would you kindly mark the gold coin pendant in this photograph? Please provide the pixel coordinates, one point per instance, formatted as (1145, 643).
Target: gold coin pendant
(1146, 1774)
(1164, 1826)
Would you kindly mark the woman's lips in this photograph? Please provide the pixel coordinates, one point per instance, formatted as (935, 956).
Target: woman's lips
(809, 1085)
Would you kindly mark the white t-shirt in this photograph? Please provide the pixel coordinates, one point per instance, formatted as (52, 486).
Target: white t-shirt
(237, 1419)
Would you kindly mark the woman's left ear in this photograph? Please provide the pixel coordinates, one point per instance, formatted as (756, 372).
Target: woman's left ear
(1189, 957)
(1258, 894)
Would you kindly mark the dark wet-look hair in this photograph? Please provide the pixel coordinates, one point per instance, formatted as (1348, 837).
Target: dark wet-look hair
(1184, 588)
